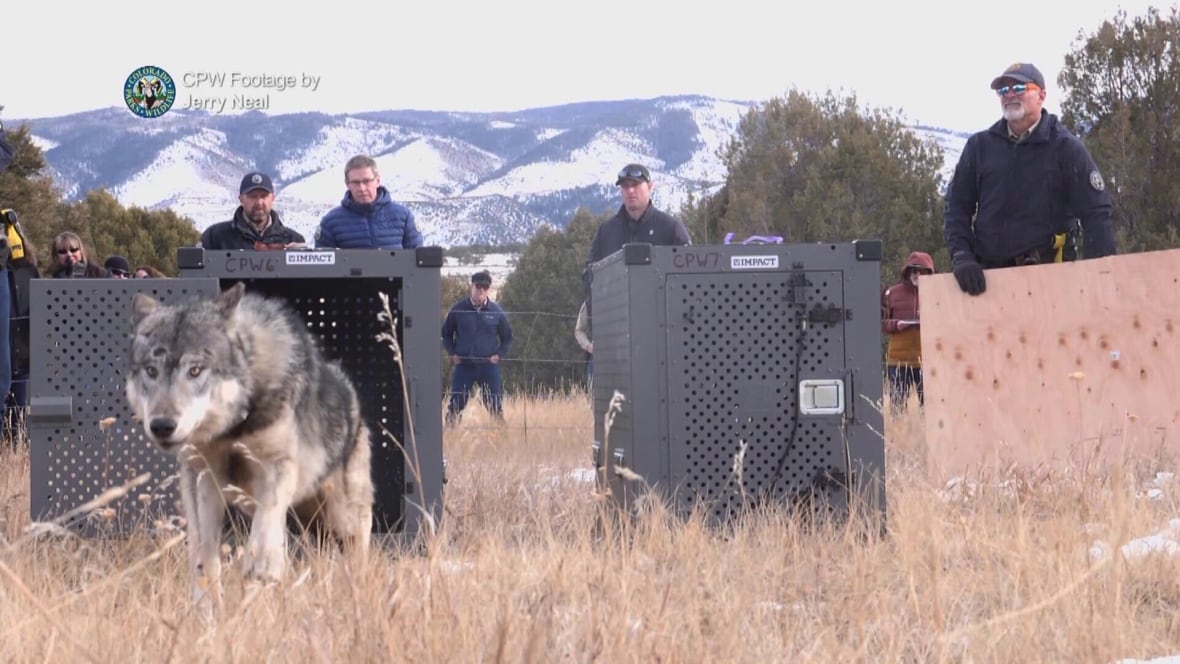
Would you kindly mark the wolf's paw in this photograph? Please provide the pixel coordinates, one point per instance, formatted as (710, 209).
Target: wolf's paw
(264, 566)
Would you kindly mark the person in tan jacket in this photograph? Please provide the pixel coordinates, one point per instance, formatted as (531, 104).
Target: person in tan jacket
(901, 320)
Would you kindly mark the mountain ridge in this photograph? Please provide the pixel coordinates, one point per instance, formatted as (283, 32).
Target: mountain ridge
(470, 178)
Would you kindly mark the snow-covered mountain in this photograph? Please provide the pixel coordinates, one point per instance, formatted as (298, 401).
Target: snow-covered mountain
(470, 178)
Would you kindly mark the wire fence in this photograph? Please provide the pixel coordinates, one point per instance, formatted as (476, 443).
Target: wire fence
(529, 396)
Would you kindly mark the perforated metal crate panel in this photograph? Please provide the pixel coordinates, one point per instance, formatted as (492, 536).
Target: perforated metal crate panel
(708, 345)
(736, 347)
(82, 440)
(73, 460)
(343, 317)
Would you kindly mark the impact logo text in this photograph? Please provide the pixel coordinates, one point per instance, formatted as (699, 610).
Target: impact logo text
(311, 258)
(753, 262)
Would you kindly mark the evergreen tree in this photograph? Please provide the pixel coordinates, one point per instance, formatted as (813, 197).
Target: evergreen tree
(105, 226)
(141, 236)
(542, 297)
(1121, 88)
(28, 189)
(825, 170)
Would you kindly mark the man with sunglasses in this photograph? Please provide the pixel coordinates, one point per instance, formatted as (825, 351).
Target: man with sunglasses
(118, 267)
(637, 219)
(1019, 188)
(476, 336)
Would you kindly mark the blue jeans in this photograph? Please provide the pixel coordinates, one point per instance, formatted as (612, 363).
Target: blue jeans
(901, 381)
(464, 379)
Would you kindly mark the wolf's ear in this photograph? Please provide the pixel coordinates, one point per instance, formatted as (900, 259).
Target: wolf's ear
(229, 298)
(141, 306)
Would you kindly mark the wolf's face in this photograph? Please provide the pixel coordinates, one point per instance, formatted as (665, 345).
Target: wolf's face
(186, 383)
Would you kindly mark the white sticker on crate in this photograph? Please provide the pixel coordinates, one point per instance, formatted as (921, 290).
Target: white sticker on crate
(311, 258)
(753, 262)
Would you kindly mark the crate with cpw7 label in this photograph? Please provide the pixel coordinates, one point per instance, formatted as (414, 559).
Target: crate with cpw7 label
(732, 376)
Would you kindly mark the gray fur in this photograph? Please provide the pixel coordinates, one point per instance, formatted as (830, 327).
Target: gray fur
(236, 387)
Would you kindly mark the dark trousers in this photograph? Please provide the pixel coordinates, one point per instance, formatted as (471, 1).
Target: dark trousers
(5, 336)
(464, 379)
(901, 381)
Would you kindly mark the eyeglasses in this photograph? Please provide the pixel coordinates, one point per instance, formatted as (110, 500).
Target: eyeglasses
(68, 250)
(1017, 89)
(481, 286)
(120, 273)
(633, 174)
(358, 183)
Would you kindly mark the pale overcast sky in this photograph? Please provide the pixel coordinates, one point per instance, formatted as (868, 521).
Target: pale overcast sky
(931, 59)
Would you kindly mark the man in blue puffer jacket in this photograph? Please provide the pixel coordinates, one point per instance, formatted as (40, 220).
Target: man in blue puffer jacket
(367, 218)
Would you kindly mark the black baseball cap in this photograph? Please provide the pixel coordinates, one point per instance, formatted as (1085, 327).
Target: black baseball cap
(1021, 72)
(254, 181)
(637, 172)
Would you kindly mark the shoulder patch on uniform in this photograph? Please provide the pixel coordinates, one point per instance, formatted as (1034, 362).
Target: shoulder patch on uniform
(1096, 181)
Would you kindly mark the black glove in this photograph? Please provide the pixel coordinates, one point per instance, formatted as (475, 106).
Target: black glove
(970, 278)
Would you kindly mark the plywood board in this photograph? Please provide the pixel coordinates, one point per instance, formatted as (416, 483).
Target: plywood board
(1054, 364)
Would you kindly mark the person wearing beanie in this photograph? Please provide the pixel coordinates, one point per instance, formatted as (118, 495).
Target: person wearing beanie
(118, 267)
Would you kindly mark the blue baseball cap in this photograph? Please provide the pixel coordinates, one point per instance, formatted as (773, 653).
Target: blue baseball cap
(1021, 72)
(254, 181)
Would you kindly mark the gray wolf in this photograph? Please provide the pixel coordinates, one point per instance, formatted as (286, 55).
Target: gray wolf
(237, 389)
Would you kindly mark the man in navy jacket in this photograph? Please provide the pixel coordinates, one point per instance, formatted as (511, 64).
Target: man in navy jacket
(476, 335)
(1018, 187)
(367, 218)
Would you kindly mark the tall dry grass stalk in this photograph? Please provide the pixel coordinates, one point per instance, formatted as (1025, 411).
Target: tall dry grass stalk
(518, 572)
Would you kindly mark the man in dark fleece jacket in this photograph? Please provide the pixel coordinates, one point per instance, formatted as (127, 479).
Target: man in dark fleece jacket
(476, 335)
(255, 224)
(637, 220)
(367, 218)
(900, 319)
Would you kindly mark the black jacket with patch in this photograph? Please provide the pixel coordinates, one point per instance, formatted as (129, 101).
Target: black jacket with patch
(1010, 198)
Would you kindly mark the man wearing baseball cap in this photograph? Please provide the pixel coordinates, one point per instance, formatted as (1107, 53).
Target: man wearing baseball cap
(1021, 187)
(476, 335)
(255, 224)
(637, 219)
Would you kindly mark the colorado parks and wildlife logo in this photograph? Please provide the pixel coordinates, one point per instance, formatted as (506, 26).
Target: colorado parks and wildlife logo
(149, 92)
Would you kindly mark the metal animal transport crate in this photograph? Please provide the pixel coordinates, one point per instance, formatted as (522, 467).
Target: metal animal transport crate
(83, 440)
(739, 375)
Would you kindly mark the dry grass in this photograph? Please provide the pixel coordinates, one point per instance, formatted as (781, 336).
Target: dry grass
(994, 573)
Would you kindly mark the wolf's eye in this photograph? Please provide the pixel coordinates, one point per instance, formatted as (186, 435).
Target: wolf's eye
(194, 371)
(151, 372)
